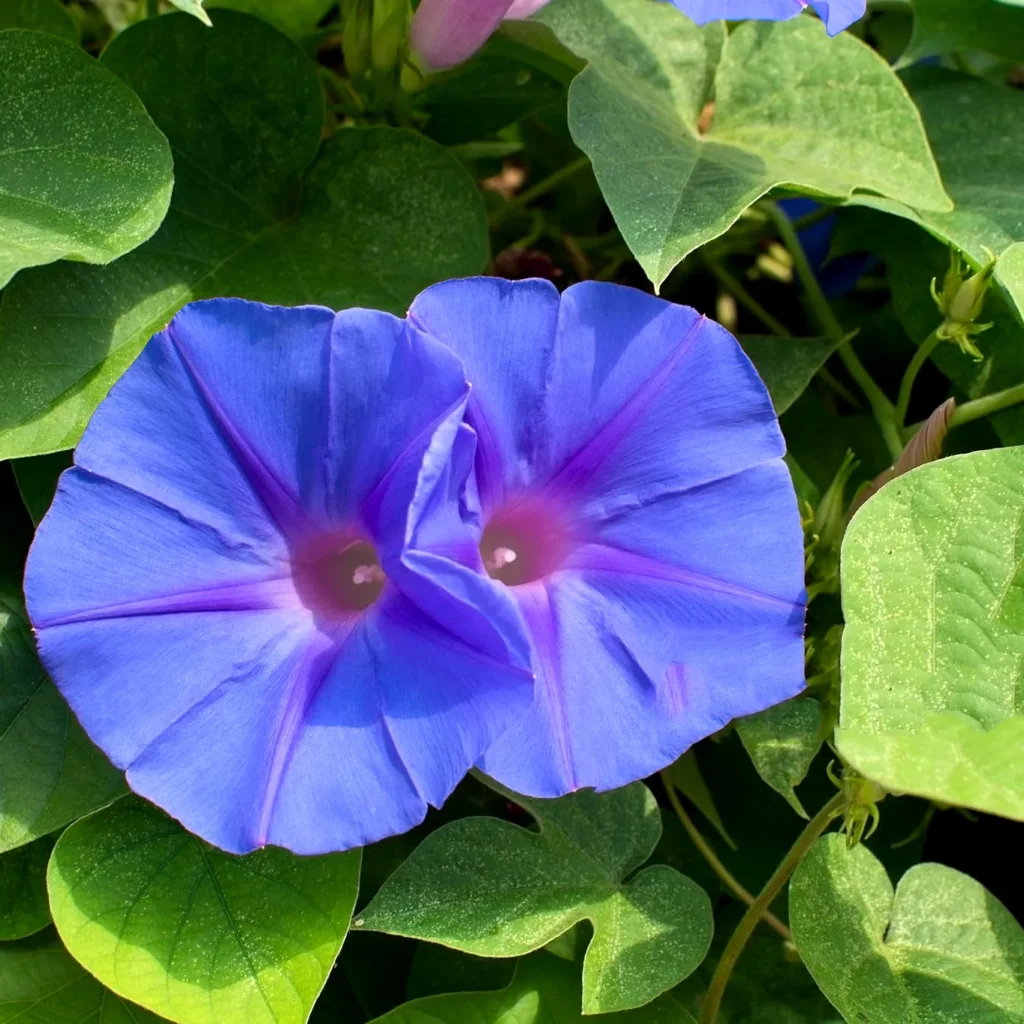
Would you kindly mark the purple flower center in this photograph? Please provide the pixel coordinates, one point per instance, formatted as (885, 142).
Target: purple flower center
(524, 542)
(338, 573)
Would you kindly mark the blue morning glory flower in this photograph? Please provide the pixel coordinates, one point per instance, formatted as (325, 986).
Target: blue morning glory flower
(837, 14)
(250, 586)
(635, 504)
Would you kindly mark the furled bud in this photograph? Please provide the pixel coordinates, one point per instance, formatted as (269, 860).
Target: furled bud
(961, 301)
(357, 33)
(447, 32)
(390, 32)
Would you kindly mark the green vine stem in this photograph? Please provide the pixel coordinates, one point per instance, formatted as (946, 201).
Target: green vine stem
(924, 350)
(745, 299)
(970, 411)
(748, 922)
(705, 850)
(541, 188)
(882, 408)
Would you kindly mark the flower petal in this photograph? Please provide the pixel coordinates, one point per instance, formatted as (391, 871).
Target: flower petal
(446, 32)
(168, 592)
(626, 398)
(633, 671)
(505, 334)
(837, 14)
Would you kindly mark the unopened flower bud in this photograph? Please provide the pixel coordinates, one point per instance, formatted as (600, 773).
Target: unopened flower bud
(357, 33)
(961, 301)
(390, 31)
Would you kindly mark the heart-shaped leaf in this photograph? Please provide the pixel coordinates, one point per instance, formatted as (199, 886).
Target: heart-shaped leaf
(378, 215)
(545, 990)
(84, 172)
(495, 889)
(194, 934)
(933, 592)
(940, 948)
(678, 171)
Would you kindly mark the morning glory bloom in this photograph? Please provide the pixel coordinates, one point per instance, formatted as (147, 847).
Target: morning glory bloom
(248, 587)
(634, 502)
(836, 14)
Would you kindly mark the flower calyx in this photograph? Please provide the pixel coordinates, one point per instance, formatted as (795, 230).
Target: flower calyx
(862, 797)
(961, 301)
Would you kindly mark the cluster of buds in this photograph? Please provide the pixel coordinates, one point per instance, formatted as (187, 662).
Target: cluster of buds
(961, 300)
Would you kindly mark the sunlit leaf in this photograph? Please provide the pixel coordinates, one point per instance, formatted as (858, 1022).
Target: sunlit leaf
(495, 889)
(835, 120)
(194, 934)
(933, 592)
(940, 948)
(84, 173)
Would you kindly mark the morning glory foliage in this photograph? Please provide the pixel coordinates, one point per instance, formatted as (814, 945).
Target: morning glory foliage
(837, 14)
(248, 589)
(635, 503)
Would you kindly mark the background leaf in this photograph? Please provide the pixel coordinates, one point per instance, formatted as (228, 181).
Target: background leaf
(192, 933)
(50, 773)
(24, 909)
(932, 571)
(835, 120)
(940, 949)
(545, 990)
(787, 365)
(492, 888)
(976, 130)
(380, 214)
(84, 172)
(41, 984)
(782, 741)
(40, 16)
(942, 26)
(296, 18)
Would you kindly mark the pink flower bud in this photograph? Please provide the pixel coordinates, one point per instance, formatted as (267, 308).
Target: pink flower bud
(447, 32)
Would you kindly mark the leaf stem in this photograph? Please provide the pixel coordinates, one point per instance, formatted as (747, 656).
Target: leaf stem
(882, 408)
(745, 928)
(704, 847)
(745, 299)
(924, 350)
(536, 191)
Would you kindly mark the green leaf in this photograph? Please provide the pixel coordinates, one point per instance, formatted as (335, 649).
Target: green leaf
(378, 215)
(84, 172)
(834, 120)
(941, 948)
(497, 87)
(37, 481)
(787, 365)
(40, 16)
(50, 773)
(933, 593)
(195, 8)
(41, 984)
(782, 741)
(977, 133)
(942, 26)
(545, 990)
(492, 888)
(686, 777)
(23, 906)
(296, 18)
(192, 933)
